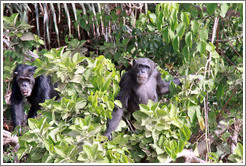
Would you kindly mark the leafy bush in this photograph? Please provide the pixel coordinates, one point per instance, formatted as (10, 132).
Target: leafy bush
(70, 130)
(178, 37)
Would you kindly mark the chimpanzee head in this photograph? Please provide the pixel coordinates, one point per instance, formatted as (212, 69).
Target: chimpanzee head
(23, 75)
(143, 68)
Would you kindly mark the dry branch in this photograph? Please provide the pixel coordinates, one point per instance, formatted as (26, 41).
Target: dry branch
(8, 139)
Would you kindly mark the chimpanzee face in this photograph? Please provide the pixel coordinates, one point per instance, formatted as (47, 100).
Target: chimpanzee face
(25, 80)
(143, 68)
(26, 85)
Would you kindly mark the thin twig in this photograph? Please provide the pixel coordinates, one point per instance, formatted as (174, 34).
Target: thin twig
(143, 34)
(234, 91)
(221, 53)
(230, 43)
(216, 20)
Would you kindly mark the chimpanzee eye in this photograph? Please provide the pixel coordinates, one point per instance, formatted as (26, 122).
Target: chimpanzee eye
(23, 80)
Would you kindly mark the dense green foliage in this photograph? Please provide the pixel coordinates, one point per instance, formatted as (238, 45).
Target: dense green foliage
(205, 39)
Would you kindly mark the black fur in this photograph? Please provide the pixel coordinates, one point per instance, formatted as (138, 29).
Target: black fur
(138, 85)
(42, 89)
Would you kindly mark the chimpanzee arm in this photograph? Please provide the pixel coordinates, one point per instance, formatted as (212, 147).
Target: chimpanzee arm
(164, 86)
(33, 110)
(118, 112)
(16, 107)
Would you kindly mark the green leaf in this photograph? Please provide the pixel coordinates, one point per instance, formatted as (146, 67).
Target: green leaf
(138, 115)
(185, 19)
(202, 47)
(161, 112)
(165, 35)
(180, 30)
(187, 131)
(94, 150)
(29, 137)
(8, 20)
(118, 103)
(211, 7)
(143, 108)
(188, 39)
(47, 158)
(152, 18)
(32, 123)
(203, 34)
(220, 92)
(194, 26)
(192, 113)
(14, 17)
(37, 153)
(181, 145)
(76, 58)
(182, 135)
(186, 53)
(175, 44)
(239, 150)
(173, 111)
(60, 150)
(224, 7)
(27, 36)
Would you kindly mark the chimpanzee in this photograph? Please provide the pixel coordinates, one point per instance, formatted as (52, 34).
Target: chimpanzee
(138, 85)
(35, 90)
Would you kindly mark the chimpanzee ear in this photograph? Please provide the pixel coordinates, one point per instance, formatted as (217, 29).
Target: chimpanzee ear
(155, 65)
(15, 73)
(32, 70)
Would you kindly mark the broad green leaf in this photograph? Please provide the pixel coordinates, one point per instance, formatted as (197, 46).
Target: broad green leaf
(224, 7)
(47, 158)
(186, 53)
(194, 26)
(110, 105)
(29, 137)
(159, 21)
(94, 150)
(220, 92)
(185, 19)
(32, 123)
(48, 145)
(239, 150)
(76, 58)
(87, 150)
(181, 145)
(175, 44)
(138, 115)
(165, 35)
(152, 18)
(211, 7)
(8, 20)
(187, 131)
(144, 108)
(202, 47)
(173, 111)
(188, 39)
(161, 112)
(192, 113)
(201, 123)
(161, 141)
(37, 153)
(203, 34)
(182, 135)
(27, 36)
(118, 103)
(60, 150)
(14, 17)
(180, 30)
(171, 34)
